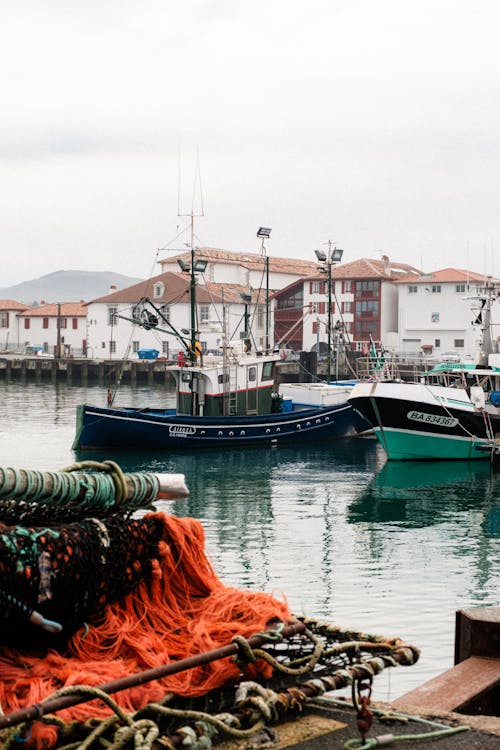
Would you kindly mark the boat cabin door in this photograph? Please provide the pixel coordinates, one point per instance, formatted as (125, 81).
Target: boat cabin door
(251, 390)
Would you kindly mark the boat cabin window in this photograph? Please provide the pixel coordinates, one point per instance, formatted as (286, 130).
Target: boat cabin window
(267, 371)
(252, 374)
(186, 377)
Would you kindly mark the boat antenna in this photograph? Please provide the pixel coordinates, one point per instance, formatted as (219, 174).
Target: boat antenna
(196, 266)
(265, 233)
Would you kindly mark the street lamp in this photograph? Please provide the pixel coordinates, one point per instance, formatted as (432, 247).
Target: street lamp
(196, 266)
(328, 260)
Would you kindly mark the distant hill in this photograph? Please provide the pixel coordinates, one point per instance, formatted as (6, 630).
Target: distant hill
(67, 286)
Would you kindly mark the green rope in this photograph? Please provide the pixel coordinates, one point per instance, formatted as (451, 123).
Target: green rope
(441, 730)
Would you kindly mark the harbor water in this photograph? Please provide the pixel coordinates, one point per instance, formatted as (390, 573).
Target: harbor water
(386, 548)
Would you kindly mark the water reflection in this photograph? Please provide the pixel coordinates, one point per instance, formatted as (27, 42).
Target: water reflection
(423, 493)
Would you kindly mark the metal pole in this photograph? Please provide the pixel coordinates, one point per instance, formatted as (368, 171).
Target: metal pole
(329, 324)
(267, 303)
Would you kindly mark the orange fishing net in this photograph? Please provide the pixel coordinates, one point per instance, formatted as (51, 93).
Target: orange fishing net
(181, 609)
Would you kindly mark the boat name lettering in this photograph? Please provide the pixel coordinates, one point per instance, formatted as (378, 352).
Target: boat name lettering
(181, 430)
(419, 416)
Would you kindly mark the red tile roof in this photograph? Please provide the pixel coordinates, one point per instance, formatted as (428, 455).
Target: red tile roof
(251, 261)
(176, 290)
(10, 304)
(450, 275)
(52, 310)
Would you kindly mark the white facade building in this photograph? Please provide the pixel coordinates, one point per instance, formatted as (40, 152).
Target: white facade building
(249, 270)
(220, 311)
(436, 313)
(45, 328)
(9, 324)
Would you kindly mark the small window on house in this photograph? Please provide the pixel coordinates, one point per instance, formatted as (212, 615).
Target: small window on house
(436, 289)
(112, 346)
(165, 311)
(437, 343)
(164, 348)
(4, 320)
(204, 310)
(26, 323)
(158, 290)
(112, 313)
(460, 288)
(135, 346)
(103, 344)
(412, 289)
(315, 327)
(45, 323)
(435, 317)
(459, 343)
(75, 323)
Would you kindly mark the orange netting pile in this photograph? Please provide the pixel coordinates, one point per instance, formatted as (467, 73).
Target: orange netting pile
(184, 609)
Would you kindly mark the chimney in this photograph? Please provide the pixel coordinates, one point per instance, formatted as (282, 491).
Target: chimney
(387, 268)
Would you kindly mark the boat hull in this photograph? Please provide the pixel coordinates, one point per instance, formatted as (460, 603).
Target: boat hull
(418, 422)
(99, 427)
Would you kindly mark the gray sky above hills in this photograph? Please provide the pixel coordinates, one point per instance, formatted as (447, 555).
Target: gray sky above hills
(371, 123)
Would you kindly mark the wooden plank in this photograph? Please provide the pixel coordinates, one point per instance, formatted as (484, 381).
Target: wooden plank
(477, 633)
(456, 688)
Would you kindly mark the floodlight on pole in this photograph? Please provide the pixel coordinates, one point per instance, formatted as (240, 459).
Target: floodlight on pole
(328, 260)
(264, 232)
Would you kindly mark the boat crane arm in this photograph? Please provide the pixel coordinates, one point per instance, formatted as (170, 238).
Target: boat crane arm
(149, 320)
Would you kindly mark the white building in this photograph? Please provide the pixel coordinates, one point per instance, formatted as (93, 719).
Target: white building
(45, 328)
(436, 316)
(247, 269)
(9, 324)
(111, 332)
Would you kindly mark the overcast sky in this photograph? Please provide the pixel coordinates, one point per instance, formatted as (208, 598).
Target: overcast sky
(371, 123)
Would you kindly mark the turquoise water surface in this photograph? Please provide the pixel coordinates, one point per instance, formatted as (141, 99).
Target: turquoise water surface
(392, 549)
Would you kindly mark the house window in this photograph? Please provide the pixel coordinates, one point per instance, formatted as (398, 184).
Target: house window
(367, 308)
(135, 346)
(260, 315)
(460, 288)
(459, 343)
(63, 322)
(75, 323)
(412, 289)
(4, 320)
(164, 348)
(112, 347)
(45, 323)
(367, 288)
(436, 289)
(165, 312)
(319, 308)
(437, 343)
(317, 287)
(204, 309)
(158, 290)
(112, 313)
(435, 317)
(26, 323)
(315, 327)
(347, 307)
(346, 286)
